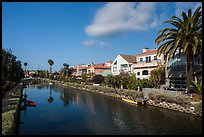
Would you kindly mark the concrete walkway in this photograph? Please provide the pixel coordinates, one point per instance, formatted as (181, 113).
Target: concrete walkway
(6, 97)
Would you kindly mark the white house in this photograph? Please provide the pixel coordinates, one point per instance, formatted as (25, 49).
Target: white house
(146, 62)
(123, 63)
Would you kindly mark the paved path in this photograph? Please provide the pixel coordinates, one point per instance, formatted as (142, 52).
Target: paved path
(6, 97)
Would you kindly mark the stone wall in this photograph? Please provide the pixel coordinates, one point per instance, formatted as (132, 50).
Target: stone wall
(134, 95)
(174, 106)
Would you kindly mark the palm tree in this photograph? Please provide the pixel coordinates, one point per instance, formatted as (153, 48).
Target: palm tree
(186, 37)
(51, 62)
(66, 66)
(25, 64)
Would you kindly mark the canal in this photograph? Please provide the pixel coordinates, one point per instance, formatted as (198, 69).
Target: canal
(66, 111)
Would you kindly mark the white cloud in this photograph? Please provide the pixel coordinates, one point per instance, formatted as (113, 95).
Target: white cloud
(90, 43)
(117, 17)
(184, 6)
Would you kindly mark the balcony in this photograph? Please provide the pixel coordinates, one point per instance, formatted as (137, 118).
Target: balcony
(143, 64)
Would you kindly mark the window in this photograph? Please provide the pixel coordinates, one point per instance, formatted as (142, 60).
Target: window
(148, 59)
(141, 59)
(144, 72)
(197, 62)
(138, 73)
(124, 66)
(115, 62)
(155, 57)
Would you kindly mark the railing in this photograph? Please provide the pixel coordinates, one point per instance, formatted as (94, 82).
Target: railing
(149, 64)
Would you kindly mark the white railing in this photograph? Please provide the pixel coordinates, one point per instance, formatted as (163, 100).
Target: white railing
(149, 64)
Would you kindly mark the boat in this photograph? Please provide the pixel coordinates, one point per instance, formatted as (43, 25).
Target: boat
(129, 101)
(30, 103)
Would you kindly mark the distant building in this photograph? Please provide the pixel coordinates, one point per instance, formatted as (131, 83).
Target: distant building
(146, 62)
(108, 63)
(97, 69)
(81, 69)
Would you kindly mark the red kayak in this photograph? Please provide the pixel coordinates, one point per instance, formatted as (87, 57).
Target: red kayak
(30, 103)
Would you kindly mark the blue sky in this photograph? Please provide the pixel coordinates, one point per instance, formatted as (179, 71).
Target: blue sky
(82, 32)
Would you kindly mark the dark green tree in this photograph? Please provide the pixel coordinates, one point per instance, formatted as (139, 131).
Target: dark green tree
(185, 36)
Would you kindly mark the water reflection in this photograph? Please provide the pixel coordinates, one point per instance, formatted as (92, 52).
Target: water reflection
(65, 97)
(81, 112)
(50, 99)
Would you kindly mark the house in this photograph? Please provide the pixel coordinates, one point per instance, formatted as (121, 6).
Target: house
(176, 70)
(123, 63)
(81, 69)
(146, 62)
(108, 63)
(97, 69)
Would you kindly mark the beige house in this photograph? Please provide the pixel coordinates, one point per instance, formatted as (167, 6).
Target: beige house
(146, 62)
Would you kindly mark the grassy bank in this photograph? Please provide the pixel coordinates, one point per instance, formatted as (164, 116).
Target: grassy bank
(11, 115)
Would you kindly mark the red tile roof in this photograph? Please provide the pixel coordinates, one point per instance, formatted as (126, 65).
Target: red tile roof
(147, 52)
(100, 67)
(109, 61)
(129, 58)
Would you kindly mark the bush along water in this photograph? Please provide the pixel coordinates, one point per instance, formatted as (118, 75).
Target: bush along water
(178, 102)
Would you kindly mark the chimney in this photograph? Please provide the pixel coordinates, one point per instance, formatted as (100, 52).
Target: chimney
(145, 50)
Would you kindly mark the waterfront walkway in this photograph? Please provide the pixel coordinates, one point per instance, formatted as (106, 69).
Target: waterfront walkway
(6, 97)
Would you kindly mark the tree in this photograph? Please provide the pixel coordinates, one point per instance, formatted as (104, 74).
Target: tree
(66, 66)
(157, 77)
(132, 82)
(11, 68)
(25, 64)
(186, 37)
(65, 70)
(98, 79)
(50, 62)
(124, 79)
(197, 87)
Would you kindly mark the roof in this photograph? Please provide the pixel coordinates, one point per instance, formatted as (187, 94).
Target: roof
(147, 52)
(109, 61)
(106, 73)
(129, 58)
(99, 67)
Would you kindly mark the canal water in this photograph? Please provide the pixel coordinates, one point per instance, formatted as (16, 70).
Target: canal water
(66, 111)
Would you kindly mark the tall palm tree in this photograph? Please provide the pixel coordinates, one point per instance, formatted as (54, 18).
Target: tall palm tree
(66, 67)
(25, 64)
(185, 36)
(50, 62)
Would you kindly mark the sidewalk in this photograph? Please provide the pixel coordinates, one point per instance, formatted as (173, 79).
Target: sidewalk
(6, 97)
